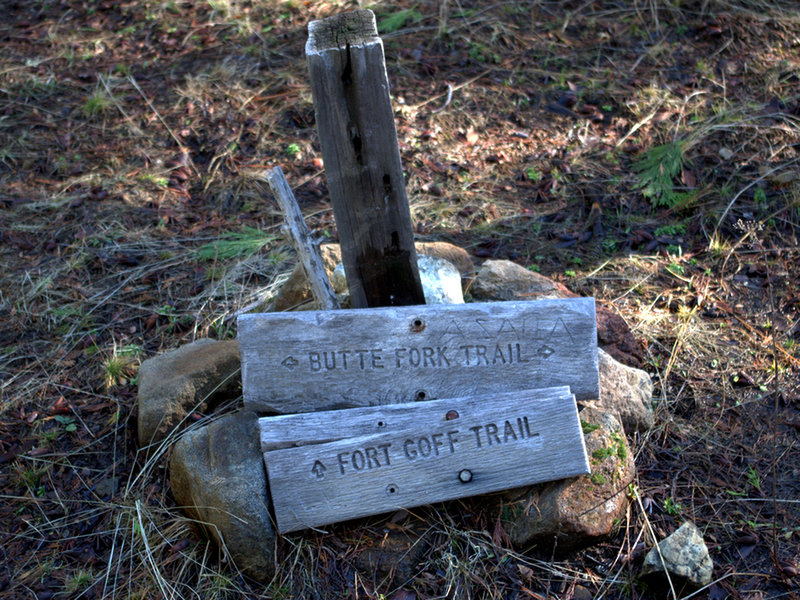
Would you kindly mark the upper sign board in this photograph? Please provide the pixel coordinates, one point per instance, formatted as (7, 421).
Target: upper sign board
(425, 452)
(318, 360)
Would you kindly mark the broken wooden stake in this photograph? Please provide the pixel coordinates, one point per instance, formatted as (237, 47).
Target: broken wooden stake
(307, 250)
(358, 138)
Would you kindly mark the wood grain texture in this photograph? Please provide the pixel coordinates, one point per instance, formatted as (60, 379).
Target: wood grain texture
(307, 251)
(322, 360)
(358, 139)
(495, 443)
(302, 429)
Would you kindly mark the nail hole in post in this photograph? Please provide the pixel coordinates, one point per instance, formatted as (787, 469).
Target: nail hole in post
(391, 489)
(420, 396)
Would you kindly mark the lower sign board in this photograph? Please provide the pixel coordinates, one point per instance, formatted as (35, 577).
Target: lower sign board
(318, 360)
(429, 452)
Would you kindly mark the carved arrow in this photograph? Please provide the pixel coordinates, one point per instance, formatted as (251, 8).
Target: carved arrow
(290, 362)
(319, 469)
(545, 351)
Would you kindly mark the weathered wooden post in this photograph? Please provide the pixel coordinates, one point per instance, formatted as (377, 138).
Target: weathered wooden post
(362, 160)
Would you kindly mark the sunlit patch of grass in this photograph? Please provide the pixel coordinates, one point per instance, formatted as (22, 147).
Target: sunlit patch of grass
(238, 244)
(30, 478)
(35, 88)
(718, 245)
(391, 22)
(157, 180)
(120, 366)
(220, 6)
(8, 157)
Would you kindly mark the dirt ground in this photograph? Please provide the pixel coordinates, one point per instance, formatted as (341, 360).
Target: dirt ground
(646, 153)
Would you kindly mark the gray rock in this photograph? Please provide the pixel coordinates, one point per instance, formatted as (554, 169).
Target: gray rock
(582, 593)
(579, 511)
(339, 280)
(218, 477)
(625, 391)
(452, 254)
(506, 280)
(684, 556)
(173, 384)
(441, 281)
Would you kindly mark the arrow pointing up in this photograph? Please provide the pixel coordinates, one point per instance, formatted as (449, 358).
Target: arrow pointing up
(319, 469)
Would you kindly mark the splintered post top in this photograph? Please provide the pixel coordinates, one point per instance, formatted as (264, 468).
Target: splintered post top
(358, 140)
(355, 28)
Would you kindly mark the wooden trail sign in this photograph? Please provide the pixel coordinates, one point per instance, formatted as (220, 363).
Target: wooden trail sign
(319, 360)
(358, 139)
(430, 452)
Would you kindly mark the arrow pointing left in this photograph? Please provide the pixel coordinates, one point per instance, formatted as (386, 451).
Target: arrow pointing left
(290, 363)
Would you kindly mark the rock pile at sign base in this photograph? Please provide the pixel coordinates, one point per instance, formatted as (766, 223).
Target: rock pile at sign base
(505, 280)
(217, 470)
(626, 391)
(441, 281)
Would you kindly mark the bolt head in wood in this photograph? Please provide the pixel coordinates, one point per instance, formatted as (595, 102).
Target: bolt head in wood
(465, 476)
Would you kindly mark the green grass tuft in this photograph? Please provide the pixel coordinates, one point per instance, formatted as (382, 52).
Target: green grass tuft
(96, 104)
(657, 170)
(235, 245)
(398, 20)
